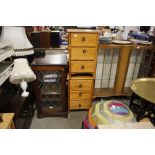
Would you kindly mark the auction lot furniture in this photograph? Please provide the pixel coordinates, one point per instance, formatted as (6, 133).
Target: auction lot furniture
(50, 86)
(83, 47)
(142, 101)
(118, 65)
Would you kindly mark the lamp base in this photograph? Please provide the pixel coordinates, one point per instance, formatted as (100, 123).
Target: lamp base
(25, 94)
(23, 85)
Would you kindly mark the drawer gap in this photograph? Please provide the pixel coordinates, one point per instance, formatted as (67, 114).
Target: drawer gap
(82, 74)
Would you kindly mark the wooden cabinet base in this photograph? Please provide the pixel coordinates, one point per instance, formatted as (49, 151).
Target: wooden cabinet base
(42, 115)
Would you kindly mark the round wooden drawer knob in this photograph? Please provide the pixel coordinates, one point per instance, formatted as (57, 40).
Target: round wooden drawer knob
(80, 86)
(83, 39)
(82, 67)
(79, 105)
(84, 51)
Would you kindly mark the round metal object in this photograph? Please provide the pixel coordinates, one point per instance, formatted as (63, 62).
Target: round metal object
(145, 88)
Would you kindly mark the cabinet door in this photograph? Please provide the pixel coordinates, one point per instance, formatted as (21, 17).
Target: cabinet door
(50, 88)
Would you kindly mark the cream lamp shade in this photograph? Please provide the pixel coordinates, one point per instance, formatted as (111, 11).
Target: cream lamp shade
(21, 74)
(16, 36)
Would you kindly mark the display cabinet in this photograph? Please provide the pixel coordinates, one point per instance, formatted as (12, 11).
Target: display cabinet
(118, 65)
(50, 86)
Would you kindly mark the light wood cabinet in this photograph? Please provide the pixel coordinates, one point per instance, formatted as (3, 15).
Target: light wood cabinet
(118, 65)
(7, 121)
(83, 47)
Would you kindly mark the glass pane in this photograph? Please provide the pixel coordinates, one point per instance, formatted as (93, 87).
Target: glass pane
(50, 88)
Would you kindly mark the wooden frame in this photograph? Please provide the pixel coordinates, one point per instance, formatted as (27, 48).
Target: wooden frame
(121, 72)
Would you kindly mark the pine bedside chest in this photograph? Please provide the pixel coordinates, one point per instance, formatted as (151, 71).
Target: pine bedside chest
(83, 47)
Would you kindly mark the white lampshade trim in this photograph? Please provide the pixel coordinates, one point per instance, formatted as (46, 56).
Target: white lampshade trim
(16, 36)
(23, 53)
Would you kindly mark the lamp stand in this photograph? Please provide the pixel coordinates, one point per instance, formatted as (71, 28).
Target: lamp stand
(23, 85)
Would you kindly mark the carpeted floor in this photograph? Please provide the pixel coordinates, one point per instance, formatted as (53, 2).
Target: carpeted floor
(74, 121)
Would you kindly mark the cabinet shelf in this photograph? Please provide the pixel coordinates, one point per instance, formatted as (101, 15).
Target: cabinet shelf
(51, 93)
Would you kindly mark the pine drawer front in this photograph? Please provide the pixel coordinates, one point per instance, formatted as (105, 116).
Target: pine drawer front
(83, 53)
(80, 95)
(82, 66)
(84, 104)
(83, 39)
(86, 85)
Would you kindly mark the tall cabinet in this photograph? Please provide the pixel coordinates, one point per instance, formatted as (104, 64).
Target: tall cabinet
(50, 86)
(83, 47)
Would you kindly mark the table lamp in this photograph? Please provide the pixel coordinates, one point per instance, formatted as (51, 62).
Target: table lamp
(21, 72)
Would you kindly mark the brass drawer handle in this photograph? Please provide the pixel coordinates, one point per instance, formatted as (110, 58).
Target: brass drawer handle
(80, 86)
(79, 105)
(82, 67)
(83, 39)
(80, 94)
(84, 51)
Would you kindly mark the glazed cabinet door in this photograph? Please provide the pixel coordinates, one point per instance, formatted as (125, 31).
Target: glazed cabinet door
(50, 90)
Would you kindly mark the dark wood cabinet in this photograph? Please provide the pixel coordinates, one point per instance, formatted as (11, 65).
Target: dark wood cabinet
(50, 85)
